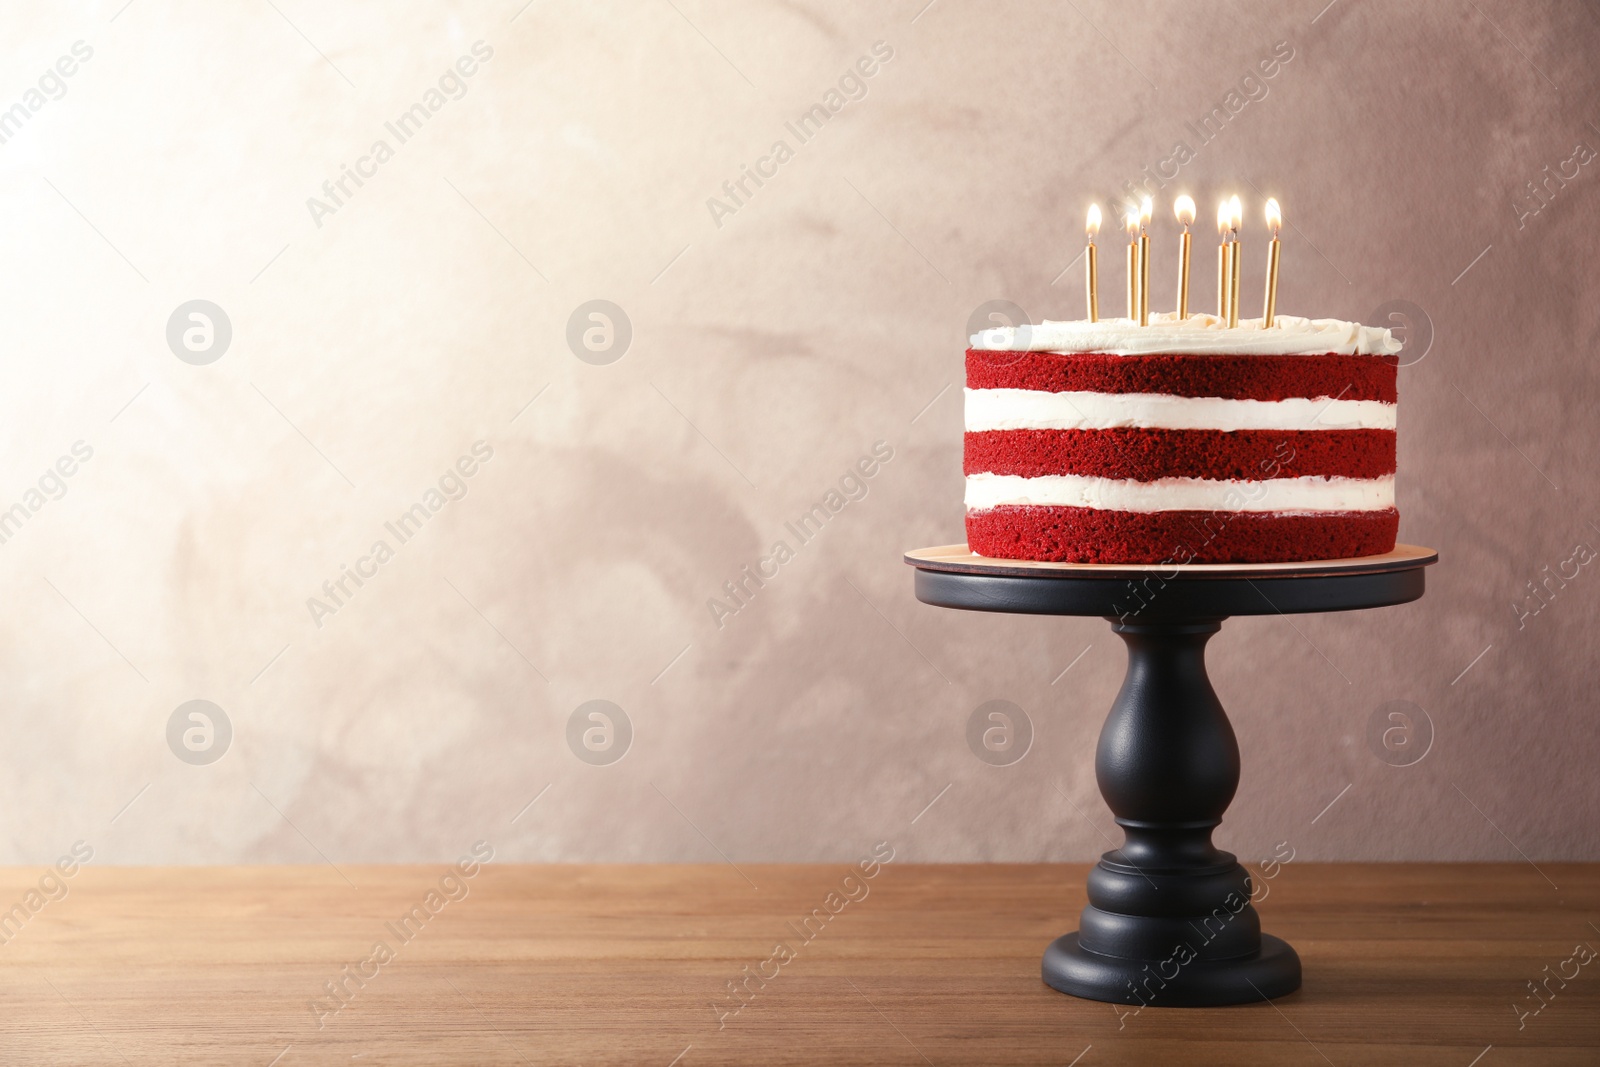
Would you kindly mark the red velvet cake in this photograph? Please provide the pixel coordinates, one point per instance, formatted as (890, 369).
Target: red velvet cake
(1181, 442)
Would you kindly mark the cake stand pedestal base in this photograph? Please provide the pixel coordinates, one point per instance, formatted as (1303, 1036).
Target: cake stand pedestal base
(1271, 972)
(1170, 920)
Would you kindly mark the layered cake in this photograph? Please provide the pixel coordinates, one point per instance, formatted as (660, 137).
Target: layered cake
(1181, 441)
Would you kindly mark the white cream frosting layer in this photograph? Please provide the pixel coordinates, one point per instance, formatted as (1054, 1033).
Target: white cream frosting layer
(1288, 336)
(1029, 409)
(1311, 493)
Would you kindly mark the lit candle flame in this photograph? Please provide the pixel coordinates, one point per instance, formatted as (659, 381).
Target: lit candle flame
(1274, 216)
(1146, 209)
(1224, 218)
(1130, 222)
(1235, 214)
(1092, 226)
(1183, 207)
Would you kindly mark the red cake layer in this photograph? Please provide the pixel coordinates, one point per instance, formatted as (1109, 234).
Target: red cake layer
(1089, 535)
(1179, 374)
(1145, 455)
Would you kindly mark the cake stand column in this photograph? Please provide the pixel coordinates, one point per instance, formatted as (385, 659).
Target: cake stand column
(1169, 921)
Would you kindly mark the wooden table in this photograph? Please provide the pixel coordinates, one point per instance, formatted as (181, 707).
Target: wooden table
(1404, 964)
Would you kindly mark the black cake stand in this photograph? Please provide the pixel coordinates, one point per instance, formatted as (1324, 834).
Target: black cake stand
(1169, 920)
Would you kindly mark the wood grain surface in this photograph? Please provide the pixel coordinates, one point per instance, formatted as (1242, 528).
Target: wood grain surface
(1404, 964)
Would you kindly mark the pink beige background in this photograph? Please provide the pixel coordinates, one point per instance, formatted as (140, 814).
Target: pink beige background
(774, 340)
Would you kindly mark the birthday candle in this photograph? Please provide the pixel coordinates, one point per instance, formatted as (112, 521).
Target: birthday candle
(1235, 219)
(1274, 223)
(1130, 222)
(1183, 208)
(1145, 208)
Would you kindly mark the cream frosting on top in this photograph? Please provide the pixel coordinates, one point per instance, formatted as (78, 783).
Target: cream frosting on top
(1289, 335)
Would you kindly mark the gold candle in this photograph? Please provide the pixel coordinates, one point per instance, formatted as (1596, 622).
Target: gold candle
(1223, 266)
(1274, 223)
(1091, 228)
(1145, 208)
(1130, 222)
(1235, 218)
(1183, 208)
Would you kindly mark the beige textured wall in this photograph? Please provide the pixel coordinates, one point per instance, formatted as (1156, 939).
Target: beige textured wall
(374, 342)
